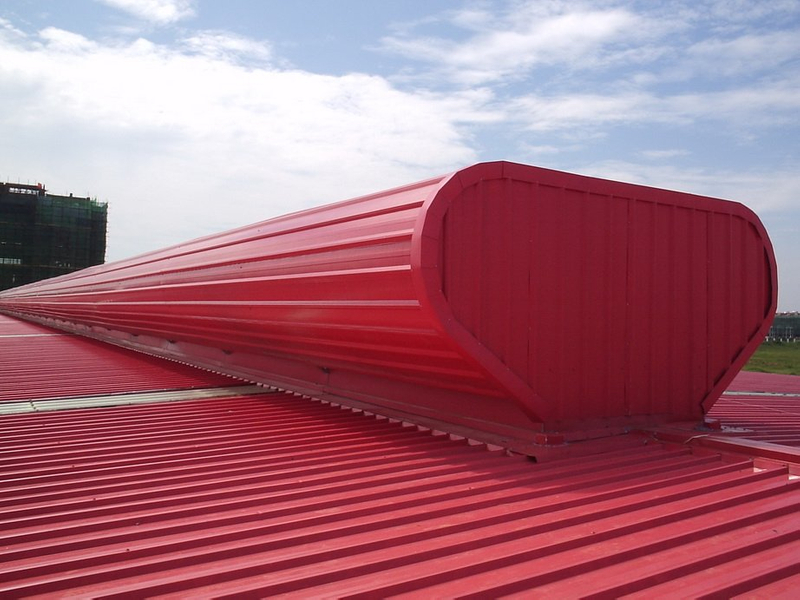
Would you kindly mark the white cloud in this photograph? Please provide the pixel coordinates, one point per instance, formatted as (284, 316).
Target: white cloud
(664, 154)
(606, 64)
(58, 40)
(226, 46)
(587, 111)
(746, 11)
(159, 12)
(763, 190)
(183, 144)
(9, 32)
(756, 105)
(508, 45)
(747, 107)
(748, 53)
(539, 150)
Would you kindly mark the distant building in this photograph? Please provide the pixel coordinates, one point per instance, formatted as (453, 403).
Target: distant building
(43, 235)
(785, 327)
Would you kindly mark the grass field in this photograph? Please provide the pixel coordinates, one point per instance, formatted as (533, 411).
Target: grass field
(776, 357)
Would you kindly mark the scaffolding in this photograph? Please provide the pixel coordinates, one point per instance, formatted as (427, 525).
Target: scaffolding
(785, 328)
(43, 235)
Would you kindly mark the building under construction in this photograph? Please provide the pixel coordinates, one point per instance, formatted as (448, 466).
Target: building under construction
(43, 235)
(785, 327)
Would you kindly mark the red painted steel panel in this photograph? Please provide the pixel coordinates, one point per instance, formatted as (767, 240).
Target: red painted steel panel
(502, 299)
(761, 407)
(747, 381)
(268, 495)
(640, 301)
(39, 362)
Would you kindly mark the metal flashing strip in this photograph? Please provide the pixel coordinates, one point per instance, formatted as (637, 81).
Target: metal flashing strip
(28, 406)
(761, 394)
(783, 453)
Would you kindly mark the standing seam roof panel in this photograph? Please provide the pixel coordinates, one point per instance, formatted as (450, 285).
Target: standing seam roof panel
(250, 494)
(38, 362)
(279, 495)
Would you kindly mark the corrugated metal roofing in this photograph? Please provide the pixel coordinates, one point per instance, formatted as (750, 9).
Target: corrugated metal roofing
(258, 496)
(765, 382)
(268, 494)
(38, 362)
(774, 419)
(10, 326)
(763, 408)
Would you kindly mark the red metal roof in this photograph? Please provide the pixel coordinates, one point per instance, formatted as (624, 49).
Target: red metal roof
(278, 494)
(774, 419)
(747, 381)
(40, 362)
(448, 302)
(763, 408)
(268, 494)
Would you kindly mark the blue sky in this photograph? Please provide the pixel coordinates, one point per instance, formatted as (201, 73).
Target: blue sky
(212, 114)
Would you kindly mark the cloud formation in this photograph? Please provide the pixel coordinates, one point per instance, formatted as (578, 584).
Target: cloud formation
(565, 71)
(158, 12)
(766, 105)
(513, 42)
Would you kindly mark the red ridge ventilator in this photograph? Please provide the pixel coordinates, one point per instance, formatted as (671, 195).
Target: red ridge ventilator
(505, 302)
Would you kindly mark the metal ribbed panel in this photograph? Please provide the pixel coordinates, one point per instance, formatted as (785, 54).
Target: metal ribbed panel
(763, 408)
(311, 301)
(605, 298)
(320, 302)
(765, 383)
(332, 285)
(262, 496)
(773, 419)
(13, 328)
(38, 362)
